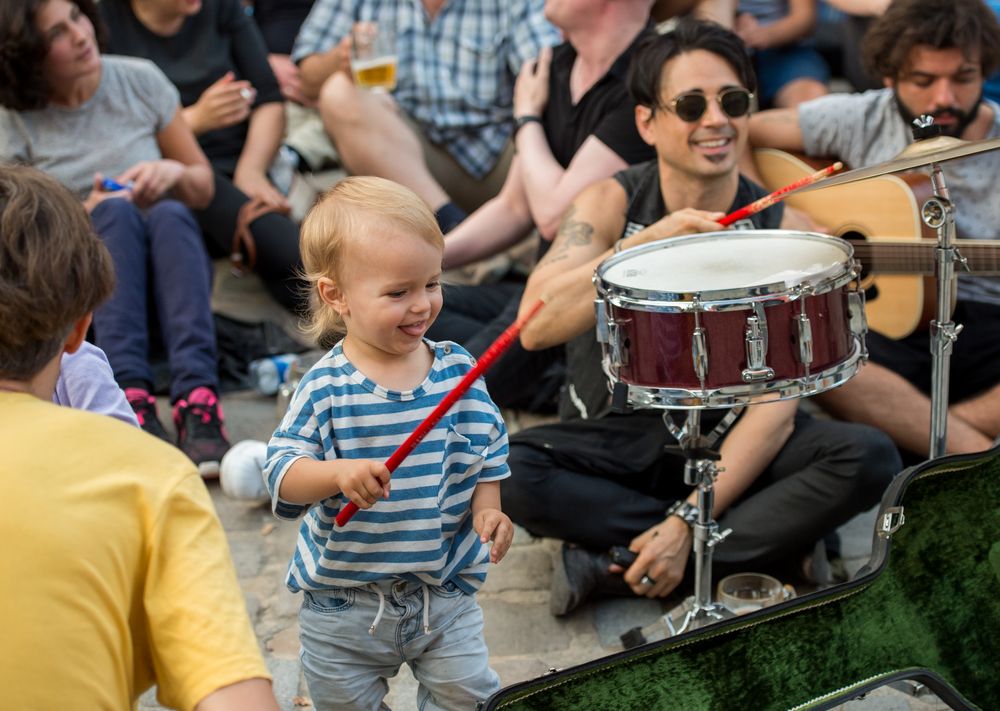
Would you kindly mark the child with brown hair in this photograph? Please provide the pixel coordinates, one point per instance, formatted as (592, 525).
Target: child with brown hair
(398, 582)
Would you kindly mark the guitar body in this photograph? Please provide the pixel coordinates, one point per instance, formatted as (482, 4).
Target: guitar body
(925, 608)
(887, 207)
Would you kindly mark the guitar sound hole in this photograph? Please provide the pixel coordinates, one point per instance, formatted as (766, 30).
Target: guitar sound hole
(870, 289)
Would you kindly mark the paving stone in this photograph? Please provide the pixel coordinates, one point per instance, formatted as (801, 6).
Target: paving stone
(527, 567)
(285, 644)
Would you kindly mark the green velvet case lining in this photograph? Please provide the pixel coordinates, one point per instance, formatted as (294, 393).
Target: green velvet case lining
(934, 603)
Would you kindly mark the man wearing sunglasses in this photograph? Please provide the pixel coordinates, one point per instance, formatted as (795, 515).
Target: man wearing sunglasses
(933, 56)
(600, 479)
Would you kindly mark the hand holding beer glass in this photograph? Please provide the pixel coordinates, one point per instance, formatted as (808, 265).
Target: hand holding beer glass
(373, 56)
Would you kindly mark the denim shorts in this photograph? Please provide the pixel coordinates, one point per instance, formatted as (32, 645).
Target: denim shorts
(347, 668)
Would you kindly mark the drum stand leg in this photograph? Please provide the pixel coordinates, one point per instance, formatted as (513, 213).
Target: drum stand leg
(939, 213)
(700, 470)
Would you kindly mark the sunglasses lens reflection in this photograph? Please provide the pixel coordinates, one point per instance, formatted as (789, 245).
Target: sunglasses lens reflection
(691, 107)
(735, 103)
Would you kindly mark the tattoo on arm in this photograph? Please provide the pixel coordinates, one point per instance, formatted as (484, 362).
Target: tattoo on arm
(572, 233)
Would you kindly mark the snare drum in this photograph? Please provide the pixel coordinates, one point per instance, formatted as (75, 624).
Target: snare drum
(729, 318)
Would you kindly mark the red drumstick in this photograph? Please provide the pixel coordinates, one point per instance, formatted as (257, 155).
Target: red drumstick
(768, 200)
(502, 343)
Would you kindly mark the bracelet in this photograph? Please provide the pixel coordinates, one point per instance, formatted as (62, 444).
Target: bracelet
(521, 121)
(619, 246)
(687, 512)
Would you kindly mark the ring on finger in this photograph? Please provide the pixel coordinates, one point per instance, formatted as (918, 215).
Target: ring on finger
(646, 580)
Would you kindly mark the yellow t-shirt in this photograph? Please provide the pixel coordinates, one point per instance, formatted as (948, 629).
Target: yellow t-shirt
(114, 570)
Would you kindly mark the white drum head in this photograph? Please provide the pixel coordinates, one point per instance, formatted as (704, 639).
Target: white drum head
(720, 261)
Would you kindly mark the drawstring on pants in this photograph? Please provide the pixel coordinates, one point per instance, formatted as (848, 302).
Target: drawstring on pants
(381, 608)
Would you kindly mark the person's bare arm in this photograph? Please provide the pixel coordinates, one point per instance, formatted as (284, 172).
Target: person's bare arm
(264, 134)
(363, 481)
(588, 233)
(776, 128)
(498, 224)
(549, 187)
(315, 69)
(865, 8)
(246, 695)
(797, 24)
(195, 187)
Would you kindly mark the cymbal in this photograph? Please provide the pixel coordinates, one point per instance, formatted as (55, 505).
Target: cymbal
(918, 153)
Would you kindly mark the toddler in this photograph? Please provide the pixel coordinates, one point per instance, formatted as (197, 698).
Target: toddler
(398, 582)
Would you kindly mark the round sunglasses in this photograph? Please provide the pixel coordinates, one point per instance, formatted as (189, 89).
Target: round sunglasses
(734, 102)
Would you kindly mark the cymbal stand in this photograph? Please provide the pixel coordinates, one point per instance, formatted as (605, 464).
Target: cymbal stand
(938, 213)
(700, 470)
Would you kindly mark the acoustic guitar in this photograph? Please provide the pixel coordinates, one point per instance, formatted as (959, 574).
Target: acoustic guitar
(881, 217)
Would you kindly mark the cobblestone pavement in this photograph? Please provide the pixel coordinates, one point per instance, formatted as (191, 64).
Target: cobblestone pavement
(525, 641)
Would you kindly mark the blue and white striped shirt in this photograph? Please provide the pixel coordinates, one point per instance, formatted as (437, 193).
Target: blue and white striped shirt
(423, 531)
(455, 74)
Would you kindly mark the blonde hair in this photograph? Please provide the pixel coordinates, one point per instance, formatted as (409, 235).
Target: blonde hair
(354, 209)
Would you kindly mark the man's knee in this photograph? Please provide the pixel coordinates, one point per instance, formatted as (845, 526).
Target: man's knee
(339, 101)
(876, 461)
(521, 493)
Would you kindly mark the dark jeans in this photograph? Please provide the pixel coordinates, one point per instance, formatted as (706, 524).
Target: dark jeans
(276, 238)
(158, 256)
(474, 316)
(825, 474)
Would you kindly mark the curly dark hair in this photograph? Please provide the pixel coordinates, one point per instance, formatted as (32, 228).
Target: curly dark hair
(655, 50)
(22, 51)
(968, 25)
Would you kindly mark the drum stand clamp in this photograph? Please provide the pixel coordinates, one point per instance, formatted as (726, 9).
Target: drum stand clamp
(700, 470)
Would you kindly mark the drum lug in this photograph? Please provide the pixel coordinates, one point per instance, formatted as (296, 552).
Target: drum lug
(858, 319)
(805, 340)
(602, 320)
(699, 354)
(756, 344)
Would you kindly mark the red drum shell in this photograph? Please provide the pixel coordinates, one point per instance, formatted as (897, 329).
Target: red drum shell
(658, 345)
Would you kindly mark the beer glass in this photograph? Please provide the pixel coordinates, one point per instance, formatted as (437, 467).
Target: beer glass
(373, 56)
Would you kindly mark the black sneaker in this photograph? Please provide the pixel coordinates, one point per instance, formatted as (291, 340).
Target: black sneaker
(577, 574)
(200, 432)
(144, 406)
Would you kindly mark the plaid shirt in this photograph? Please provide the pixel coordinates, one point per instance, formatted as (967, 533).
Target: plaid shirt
(456, 74)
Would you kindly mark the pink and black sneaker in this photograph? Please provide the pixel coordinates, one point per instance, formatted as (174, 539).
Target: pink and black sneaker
(201, 434)
(144, 406)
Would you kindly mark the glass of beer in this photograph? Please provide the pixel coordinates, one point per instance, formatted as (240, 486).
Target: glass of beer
(373, 56)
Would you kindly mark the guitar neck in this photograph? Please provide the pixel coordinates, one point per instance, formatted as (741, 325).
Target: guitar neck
(918, 257)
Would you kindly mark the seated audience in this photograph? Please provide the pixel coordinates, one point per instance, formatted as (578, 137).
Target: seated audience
(82, 117)
(215, 56)
(115, 566)
(933, 56)
(600, 479)
(574, 124)
(444, 130)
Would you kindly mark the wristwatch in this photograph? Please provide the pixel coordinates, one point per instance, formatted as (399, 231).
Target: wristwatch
(520, 121)
(687, 512)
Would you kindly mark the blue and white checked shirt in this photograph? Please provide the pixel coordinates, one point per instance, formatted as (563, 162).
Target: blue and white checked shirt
(423, 531)
(456, 73)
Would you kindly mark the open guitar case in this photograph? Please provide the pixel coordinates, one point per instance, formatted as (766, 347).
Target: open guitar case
(927, 607)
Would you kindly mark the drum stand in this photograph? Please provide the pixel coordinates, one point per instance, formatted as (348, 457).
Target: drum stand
(938, 213)
(700, 470)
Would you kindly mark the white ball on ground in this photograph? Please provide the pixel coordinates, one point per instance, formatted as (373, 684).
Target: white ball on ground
(241, 471)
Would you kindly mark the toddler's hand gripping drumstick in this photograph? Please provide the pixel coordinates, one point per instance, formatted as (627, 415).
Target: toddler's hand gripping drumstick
(780, 194)
(496, 349)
